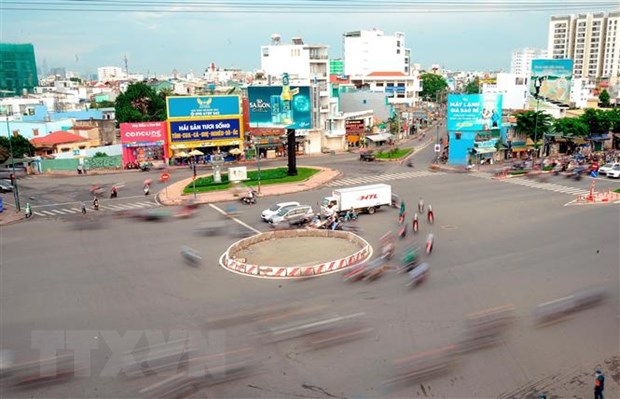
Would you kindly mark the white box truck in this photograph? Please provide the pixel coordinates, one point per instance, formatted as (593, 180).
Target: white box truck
(361, 199)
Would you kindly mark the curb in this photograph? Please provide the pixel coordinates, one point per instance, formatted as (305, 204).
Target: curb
(294, 188)
(21, 218)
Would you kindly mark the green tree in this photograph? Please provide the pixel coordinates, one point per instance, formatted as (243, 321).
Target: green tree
(102, 104)
(140, 103)
(432, 84)
(614, 117)
(597, 120)
(535, 124)
(21, 146)
(167, 92)
(473, 86)
(570, 127)
(603, 98)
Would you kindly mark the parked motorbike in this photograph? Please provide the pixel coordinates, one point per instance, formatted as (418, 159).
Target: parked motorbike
(429, 243)
(415, 224)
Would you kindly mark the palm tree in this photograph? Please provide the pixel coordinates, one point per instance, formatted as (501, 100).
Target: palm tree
(535, 124)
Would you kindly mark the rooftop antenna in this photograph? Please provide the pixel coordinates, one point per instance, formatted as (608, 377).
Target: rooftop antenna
(126, 65)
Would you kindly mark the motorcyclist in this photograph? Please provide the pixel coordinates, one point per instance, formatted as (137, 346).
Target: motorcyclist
(96, 203)
(114, 192)
(28, 211)
(429, 242)
(421, 205)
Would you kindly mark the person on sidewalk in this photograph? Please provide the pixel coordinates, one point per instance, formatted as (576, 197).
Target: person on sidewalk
(599, 384)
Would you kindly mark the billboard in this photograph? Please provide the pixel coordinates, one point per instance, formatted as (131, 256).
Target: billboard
(555, 78)
(204, 130)
(354, 126)
(280, 106)
(143, 132)
(190, 107)
(474, 112)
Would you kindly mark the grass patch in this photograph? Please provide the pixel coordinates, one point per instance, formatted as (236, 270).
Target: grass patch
(267, 176)
(547, 168)
(394, 153)
(518, 172)
(617, 191)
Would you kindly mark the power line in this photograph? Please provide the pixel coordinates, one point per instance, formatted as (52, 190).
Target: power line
(305, 6)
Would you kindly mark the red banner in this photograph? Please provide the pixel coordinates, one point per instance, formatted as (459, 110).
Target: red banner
(145, 132)
(354, 126)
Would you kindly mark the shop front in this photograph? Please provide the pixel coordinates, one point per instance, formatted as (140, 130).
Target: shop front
(143, 142)
(209, 137)
(267, 142)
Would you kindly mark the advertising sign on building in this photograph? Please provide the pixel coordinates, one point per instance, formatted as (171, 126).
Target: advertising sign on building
(354, 126)
(474, 112)
(554, 78)
(190, 107)
(280, 106)
(205, 130)
(143, 132)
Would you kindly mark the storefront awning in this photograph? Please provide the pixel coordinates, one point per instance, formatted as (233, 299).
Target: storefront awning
(485, 150)
(599, 138)
(519, 149)
(379, 137)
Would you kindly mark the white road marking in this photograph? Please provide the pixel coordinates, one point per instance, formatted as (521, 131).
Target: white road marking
(69, 210)
(147, 203)
(48, 213)
(76, 209)
(235, 219)
(383, 177)
(113, 207)
(39, 214)
(58, 211)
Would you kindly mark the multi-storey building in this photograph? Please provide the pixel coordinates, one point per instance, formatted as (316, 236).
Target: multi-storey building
(307, 65)
(18, 69)
(521, 63)
(107, 73)
(590, 40)
(369, 51)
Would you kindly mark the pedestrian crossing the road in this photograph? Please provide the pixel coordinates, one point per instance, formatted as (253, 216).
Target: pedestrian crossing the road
(381, 178)
(520, 181)
(73, 210)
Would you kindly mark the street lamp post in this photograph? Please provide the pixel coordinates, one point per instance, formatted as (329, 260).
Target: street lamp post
(15, 188)
(537, 86)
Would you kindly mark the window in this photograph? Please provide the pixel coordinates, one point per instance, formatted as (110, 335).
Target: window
(266, 52)
(397, 51)
(35, 132)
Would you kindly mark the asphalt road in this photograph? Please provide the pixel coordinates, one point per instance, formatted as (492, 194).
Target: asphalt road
(496, 243)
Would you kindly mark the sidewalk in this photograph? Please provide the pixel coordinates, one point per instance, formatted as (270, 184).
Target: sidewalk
(173, 194)
(10, 216)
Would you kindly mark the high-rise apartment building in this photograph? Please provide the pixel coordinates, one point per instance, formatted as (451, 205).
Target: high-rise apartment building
(369, 51)
(521, 64)
(18, 69)
(590, 40)
(110, 73)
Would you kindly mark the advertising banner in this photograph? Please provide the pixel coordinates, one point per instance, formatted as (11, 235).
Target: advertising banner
(280, 106)
(204, 130)
(354, 126)
(143, 132)
(189, 107)
(474, 111)
(555, 79)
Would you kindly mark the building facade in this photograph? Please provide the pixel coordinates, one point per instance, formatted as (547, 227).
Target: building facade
(513, 88)
(369, 51)
(590, 40)
(110, 73)
(521, 63)
(18, 69)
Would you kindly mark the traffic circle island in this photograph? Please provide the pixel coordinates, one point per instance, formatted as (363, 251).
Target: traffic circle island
(288, 254)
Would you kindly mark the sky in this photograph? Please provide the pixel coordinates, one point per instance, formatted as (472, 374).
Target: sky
(185, 40)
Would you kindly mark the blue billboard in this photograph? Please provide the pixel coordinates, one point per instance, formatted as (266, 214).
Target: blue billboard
(553, 78)
(280, 106)
(204, 130)
(474, 112)
(189, 107)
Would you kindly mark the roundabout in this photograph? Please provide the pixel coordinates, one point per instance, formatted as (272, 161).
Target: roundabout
(289, 254)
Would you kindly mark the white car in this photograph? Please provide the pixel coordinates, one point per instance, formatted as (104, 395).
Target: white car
(293, 215)
(607, 167)
(271, 212)
(614, 172)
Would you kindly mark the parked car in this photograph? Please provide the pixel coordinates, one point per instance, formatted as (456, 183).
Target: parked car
(293, 215)
(5, 186)
(607, 167)
(367, 156)
(271, 212)
(614, 173)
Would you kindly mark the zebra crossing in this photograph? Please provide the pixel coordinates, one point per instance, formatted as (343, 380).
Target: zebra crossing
(381, 178)
(520, 181)
(73, 210)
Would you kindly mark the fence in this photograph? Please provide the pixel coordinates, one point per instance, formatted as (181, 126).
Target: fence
(73, 163)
